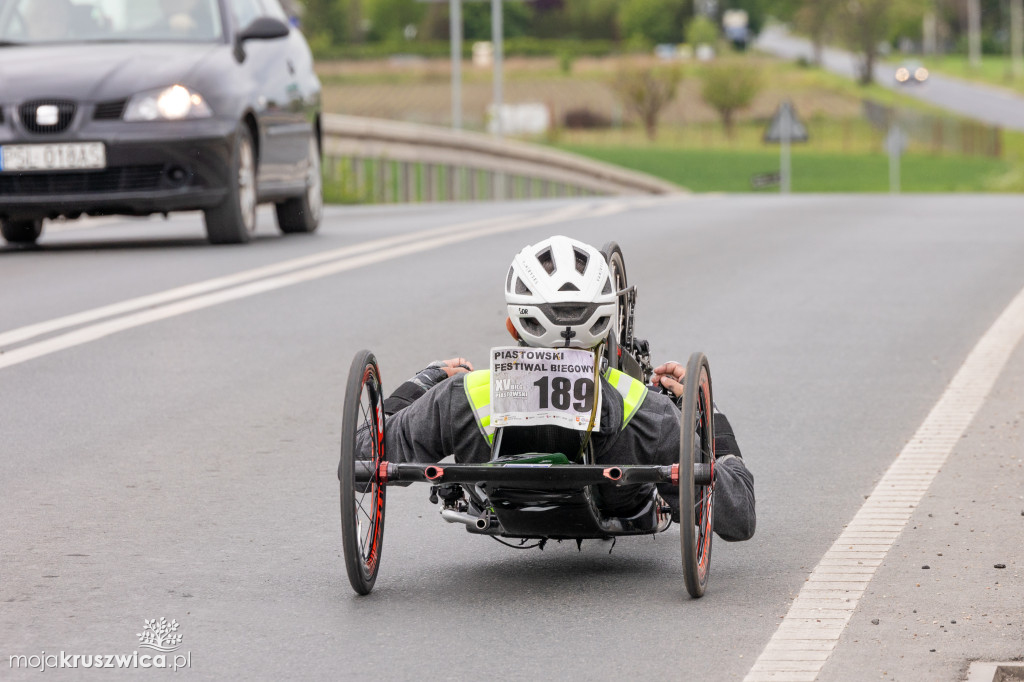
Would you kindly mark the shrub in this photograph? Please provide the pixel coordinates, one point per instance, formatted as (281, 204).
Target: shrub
(582, 118)
(646, 92)
(729, 87)
(701, 31)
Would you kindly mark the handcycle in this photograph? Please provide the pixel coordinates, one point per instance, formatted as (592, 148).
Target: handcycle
(529, 495)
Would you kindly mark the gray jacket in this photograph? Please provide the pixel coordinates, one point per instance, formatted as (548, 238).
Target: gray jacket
(426, 424)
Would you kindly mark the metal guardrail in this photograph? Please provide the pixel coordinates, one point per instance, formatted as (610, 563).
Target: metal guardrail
(382, 161)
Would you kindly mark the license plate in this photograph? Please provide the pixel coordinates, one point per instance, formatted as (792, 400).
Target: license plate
(44, 157)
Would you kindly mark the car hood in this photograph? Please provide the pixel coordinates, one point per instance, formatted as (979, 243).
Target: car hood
(97, 72)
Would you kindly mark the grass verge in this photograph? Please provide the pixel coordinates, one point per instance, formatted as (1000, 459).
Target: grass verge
(703, 170)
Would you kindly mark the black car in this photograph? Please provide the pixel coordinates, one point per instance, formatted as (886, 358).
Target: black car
(150, 106)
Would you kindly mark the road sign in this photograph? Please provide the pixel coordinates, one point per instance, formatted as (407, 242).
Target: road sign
(786, 125)
(762, 180)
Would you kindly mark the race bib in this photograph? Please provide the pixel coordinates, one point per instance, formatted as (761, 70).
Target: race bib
(532, 386)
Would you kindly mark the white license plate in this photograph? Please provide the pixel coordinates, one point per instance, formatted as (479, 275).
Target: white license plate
(61, 156)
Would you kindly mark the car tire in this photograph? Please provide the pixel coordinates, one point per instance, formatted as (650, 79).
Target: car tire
(302, 213)
(234, 220)
(21, 231)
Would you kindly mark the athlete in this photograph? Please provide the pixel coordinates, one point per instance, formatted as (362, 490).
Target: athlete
(559, 294)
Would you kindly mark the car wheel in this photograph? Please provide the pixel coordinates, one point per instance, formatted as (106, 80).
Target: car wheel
(234, 221)
(21, 231)
(302, 213)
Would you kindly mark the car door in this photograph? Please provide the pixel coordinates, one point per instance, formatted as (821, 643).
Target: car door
(283, 133)
(302, 90)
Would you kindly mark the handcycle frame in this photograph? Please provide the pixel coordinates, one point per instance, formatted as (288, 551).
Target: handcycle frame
(539, 496)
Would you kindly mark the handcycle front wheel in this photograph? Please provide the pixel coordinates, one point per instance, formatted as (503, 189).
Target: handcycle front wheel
(362, 504)
(696, 446)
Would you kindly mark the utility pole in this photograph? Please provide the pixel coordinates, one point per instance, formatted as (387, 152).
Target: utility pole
(1017, 37)
(455, 28)
(497, 41)
(974, 33)
(929, 33)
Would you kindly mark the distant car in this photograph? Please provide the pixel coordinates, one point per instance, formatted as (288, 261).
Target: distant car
(150, 106)
(911, 73)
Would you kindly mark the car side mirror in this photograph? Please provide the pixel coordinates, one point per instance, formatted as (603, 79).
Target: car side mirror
(262, 28)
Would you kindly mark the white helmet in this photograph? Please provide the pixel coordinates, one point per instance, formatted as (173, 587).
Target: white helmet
(559, 293)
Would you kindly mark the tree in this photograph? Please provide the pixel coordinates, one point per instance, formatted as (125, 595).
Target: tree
(815, 18)
(646, 92)
(863, 24)
(388, 18)
(660, 21)
(702, 31)
(729, 87)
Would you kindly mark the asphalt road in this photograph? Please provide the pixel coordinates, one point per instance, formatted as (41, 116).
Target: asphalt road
(176, 457)
(979, 101)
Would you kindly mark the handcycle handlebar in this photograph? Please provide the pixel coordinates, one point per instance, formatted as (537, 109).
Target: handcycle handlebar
(555, 475)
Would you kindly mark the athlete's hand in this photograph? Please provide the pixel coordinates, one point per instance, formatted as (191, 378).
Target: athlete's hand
(670, 376)
(456, 366)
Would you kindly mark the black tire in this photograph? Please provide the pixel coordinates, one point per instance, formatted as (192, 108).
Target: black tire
(696, 502)
(362, 504)
(617, 267)
(234, 220)
(302, 214)
(21, 231)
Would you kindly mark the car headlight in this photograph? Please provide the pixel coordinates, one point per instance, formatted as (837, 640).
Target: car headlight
(167, 104)
(902, 74)
(921, 74)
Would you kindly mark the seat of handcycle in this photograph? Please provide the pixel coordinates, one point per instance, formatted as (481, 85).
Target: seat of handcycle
(589, 511)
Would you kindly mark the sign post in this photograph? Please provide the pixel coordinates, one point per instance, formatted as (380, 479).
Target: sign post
(497, 35)
(895, 144)
(455, 30)
(784, 128)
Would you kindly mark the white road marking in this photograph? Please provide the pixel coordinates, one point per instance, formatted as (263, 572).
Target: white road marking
(49, 326)
(301, 270)
(821, 611)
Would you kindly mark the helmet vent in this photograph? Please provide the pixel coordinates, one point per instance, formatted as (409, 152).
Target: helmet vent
(600, 325)
(547, 261)
(568, 286)
(521, 288)
(607, 286)
(569, 314)
(581, 260)
(532, 325)
(508, 281)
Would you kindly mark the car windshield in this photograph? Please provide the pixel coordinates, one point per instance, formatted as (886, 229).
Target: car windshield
(63, 21)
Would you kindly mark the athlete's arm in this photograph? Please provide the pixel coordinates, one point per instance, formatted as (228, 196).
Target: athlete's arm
(434, 373)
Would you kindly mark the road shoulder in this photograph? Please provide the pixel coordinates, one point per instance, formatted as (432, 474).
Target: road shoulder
(938, 602)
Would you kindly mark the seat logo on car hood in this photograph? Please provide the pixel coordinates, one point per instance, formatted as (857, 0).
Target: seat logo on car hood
(46, 115)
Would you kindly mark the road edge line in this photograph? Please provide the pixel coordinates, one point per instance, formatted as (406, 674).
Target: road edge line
(836, 585)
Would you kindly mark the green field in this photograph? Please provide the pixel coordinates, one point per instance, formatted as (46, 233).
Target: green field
(731, 171)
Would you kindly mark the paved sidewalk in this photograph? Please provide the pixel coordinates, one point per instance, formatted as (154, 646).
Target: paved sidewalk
(982, 102)
(938, 602)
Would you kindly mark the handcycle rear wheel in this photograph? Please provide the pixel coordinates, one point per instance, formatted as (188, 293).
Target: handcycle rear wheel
(362, 505)
(696, 446)
(617, 271)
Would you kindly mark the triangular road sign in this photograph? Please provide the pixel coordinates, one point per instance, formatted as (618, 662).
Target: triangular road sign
(785, 123)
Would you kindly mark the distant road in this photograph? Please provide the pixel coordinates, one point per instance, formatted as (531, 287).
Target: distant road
(981, 102)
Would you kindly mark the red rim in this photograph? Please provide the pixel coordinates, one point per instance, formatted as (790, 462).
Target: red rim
(369, 502)
(703, 494)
